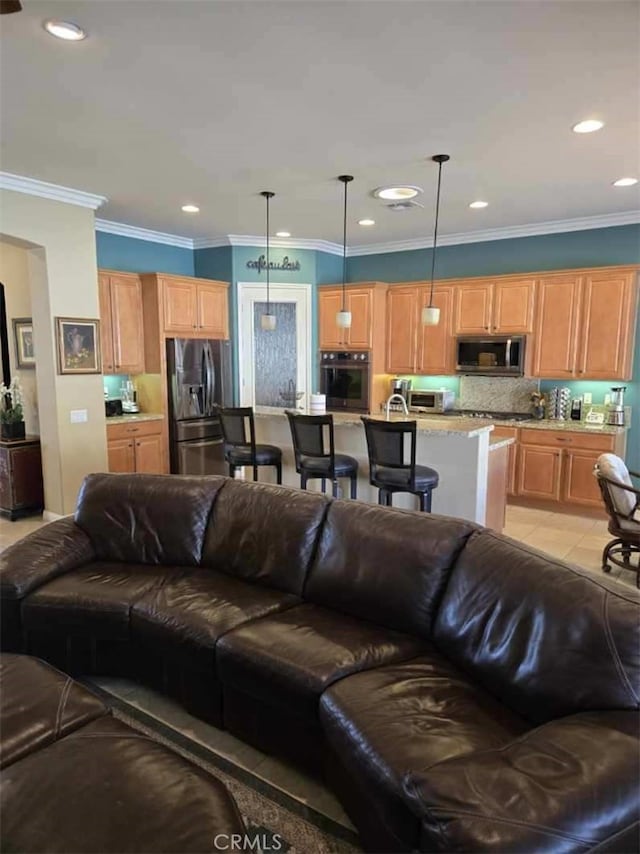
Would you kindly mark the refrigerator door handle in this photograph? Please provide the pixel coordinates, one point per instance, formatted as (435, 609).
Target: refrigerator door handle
(212, 380)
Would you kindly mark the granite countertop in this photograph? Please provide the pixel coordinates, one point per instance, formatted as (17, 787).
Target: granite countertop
(500, 443)
(129, 417)
(566, 426)
(443, 426)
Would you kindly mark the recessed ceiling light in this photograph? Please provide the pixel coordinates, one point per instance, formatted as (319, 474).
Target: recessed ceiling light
(406, 191)
(479, 204)
(190, 209)
(65, 30)
(625, 182)
(366, 222)
(588, 126)
(283, 234)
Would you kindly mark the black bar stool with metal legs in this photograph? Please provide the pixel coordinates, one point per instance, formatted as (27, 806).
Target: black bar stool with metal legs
(312, 458)
(241, 449)
(388, 469)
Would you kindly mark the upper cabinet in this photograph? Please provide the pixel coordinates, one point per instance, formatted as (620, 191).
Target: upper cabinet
(585, 325)
(411, 347)
(194, 308)
(494, 307)
(121, 323)
(365, 301)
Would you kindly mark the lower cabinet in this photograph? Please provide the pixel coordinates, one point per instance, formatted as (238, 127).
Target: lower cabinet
(136, 447)
(558, 465)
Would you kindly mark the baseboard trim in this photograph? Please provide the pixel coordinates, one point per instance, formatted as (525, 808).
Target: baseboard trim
(50, 516)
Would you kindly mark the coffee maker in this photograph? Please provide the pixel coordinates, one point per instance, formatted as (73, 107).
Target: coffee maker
(616, 407)
(401, 387)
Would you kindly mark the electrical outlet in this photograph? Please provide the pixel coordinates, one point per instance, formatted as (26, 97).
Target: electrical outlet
(587, 397)
(78, 416)
(607, 400)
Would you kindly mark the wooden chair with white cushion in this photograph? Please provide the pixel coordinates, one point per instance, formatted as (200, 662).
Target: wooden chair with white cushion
(622, 500)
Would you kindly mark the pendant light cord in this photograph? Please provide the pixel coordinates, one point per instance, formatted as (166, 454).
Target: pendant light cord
(435, 234)
(268, 301)
(344, 250)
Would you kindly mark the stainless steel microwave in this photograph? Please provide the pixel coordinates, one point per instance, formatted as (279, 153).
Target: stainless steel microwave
(431, 401)
(497, 356)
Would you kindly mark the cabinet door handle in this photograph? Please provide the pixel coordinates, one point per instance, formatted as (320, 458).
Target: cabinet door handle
(562, 439)
(132, 429)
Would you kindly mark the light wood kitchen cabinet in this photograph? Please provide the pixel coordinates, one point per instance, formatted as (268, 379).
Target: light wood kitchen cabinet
(136, 446)
(402, 326)
(607, 327)
(194, 308)
(539, 471)
(556, 339)
(121, 323)
(585, 325)
(359, 300)
(558, 464)
(497, 307)
(500, 432)
(436, 344)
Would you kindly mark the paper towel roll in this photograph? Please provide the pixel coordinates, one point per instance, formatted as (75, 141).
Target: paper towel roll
(318, 404)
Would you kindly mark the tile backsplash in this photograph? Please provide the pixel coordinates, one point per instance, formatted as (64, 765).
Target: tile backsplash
(499, 394)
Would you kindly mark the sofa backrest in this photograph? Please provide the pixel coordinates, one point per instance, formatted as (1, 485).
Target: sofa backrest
(386, 566)
(265, 534)
(153, 519)
(546, 638)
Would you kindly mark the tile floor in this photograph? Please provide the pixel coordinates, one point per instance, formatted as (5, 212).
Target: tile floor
(573, 538)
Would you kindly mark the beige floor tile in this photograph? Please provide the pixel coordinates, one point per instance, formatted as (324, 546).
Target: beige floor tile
(595, 541)
(586, 558)
(555, 535)
(519, 530)
(526, 515)
(553, 547)
(568, 522)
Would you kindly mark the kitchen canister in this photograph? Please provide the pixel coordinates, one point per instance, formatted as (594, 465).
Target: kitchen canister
(559, 403)
(318, 404)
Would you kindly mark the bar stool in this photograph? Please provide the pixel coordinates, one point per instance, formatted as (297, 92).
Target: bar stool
(242, 451)
(312, 458)
(387, 467)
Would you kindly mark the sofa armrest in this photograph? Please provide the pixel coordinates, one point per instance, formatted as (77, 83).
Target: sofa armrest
(567, 786)
(48, 552)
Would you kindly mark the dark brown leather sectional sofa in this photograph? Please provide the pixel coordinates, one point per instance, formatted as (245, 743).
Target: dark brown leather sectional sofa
(460, 691)
(75, 779)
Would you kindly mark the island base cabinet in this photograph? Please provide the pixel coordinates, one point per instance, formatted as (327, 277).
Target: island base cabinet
(136, 447)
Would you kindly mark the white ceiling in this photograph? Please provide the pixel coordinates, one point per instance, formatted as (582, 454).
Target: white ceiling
(210, 102)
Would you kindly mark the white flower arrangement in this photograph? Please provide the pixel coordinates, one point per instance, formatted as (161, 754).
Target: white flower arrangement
(12, 400)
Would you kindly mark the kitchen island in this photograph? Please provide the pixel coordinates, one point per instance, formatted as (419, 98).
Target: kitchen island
(459, 450)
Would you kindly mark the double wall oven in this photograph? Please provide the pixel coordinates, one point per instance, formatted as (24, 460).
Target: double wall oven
(344, 379)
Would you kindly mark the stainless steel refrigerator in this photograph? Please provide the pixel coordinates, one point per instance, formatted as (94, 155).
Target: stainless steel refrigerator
(198, 378)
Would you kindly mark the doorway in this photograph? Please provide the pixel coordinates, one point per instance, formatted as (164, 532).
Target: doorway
(275, 368)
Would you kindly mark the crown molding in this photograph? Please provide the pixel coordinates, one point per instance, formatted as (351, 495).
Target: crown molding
(529, 230)
(123, 230)
(33, 187)
(285, 243)
(485, 235)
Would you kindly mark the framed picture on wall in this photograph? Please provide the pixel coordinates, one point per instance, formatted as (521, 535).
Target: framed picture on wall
(23, 337)
(78, 341)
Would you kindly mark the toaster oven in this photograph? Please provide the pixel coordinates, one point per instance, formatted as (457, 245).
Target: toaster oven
(431, 401)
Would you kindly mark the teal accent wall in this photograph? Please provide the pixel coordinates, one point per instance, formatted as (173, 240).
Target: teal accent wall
(131, 255)
(213, 263)
(329, 268)
(598, 247)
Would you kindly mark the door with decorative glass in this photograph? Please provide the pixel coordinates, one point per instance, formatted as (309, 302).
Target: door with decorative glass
(275, 365)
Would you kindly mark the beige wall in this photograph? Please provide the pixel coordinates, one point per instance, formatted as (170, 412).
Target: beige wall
(61, 261)
(14, 275)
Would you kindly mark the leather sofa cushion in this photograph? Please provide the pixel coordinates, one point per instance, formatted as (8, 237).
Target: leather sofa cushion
(265, 534)
(94, 600)
(387, 566)
(186, 616)
(156, 519)
(106, 788)
(38, 705)
(570, 785)
(545, 638)
(46, 553)
(289, 659)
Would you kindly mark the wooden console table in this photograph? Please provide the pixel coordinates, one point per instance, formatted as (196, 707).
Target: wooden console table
(21, 489)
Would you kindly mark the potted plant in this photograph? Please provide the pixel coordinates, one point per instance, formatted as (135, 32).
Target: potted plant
(11, 411)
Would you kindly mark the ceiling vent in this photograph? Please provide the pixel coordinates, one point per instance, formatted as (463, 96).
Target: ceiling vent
(404, 205)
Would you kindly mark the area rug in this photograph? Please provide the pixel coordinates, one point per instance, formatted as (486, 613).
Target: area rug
(277, 821)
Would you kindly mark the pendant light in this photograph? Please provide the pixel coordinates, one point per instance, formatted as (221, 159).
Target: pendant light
(343, 317)
(268, 320)
(430, 313)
